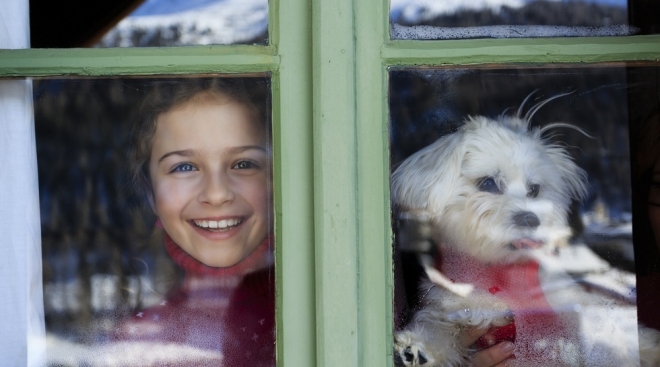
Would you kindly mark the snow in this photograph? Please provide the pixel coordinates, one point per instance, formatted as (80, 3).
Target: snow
(156, 7)
(65, 296)
(519, 31)
(62, 352)
(203, 22)
(602, 298)
(576, 259)
(415, 11)
(199, 22)
(609, 335)
(588, 269)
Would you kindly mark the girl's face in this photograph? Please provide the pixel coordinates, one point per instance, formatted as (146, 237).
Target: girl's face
(209, 169)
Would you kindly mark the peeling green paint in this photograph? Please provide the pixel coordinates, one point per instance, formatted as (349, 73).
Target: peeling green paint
(328, 60)
(537, 50)
(137, 61)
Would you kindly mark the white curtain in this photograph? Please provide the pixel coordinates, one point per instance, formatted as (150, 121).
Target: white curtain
(22, 332)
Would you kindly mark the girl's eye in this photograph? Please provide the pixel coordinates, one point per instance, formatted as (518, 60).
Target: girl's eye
(488, 184)
(184, 167)
(245, 165)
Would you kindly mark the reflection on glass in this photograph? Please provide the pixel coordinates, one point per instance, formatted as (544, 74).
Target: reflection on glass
(432, 19)
(199, 22)
(192, 284)
(513, 210)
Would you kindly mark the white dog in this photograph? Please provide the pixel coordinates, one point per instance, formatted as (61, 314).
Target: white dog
(496, 192)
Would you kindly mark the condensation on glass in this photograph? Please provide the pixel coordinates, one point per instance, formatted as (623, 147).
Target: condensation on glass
(184, 23)
(436, 20)
(156, 221)
(517, 191)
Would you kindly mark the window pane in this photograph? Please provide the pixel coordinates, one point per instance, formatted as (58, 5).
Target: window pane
(432, 19)
(137, 23)
(157, 221)
(202, 22)
(512, 193)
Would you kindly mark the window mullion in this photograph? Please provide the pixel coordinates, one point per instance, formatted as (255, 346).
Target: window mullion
(290, 22)
(374, 247)
(335, 182)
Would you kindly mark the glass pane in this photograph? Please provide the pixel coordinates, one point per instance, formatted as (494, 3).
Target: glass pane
(147, 23)
(434, 19)
(516, 193)
(157, 221)
(201, 22)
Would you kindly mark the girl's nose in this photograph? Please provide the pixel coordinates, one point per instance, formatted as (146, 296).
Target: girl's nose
(216, 190)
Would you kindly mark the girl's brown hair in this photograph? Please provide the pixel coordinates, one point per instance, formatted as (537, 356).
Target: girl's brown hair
(165, 95)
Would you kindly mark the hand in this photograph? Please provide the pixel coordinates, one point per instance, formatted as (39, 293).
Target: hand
(493, 356)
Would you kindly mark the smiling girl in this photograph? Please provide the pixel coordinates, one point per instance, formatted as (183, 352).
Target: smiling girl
(202, 156)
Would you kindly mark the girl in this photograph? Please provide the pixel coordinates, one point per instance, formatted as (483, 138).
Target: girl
(202, 156)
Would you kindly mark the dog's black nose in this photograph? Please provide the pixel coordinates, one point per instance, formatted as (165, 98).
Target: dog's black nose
(526, 219)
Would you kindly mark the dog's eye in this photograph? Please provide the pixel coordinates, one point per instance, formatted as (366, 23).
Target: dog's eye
(533, 190)
(488, 184)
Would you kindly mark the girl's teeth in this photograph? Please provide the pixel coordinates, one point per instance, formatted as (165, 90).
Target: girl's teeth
(214, 224)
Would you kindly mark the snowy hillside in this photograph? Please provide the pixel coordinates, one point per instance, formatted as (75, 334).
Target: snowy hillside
(198, 22)
(202, 22)
(455, 19)
(416, 11)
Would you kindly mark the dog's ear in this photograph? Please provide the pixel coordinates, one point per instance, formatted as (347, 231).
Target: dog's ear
(427, 179)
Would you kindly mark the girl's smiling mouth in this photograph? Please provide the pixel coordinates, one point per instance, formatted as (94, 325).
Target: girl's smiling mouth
(222, 225)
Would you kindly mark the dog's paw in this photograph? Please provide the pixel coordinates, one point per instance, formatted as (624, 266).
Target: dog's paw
(426, 346)
(410, 352)
(410, 357)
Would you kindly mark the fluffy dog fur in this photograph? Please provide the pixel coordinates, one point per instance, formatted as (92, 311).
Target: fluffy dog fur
(443, 178)
(496, 189)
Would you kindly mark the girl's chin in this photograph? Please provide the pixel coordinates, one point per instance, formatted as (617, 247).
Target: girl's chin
(220, 264)
(231, 254)
(219, 250)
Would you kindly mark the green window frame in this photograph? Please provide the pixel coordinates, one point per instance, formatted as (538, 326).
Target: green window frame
(329, 62)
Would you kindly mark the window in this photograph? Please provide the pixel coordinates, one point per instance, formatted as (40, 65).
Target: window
(295, 172)
(480, 203)
(139, 23)
(329, 65)
(112, 279)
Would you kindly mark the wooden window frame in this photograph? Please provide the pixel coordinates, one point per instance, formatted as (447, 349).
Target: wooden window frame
(329, 62)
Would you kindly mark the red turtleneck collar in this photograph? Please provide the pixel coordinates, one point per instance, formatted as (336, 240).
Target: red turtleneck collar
(229, 310)
(260, 258)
